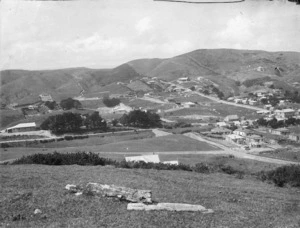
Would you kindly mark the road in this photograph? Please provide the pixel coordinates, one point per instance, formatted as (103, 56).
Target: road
(240, 154)
(222, 101)
(230, 103)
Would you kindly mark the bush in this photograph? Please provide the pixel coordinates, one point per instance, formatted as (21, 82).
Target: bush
(283, 175)
(5, 145)
(79, 158)
(111, 102)
(202, 168)
(69, 137)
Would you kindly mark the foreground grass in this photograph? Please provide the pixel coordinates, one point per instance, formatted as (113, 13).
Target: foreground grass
(236, 202)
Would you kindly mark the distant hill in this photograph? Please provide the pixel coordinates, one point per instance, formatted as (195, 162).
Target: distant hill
(230, 69)
(23, 86)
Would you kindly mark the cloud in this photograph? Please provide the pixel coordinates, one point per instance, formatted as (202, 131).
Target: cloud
(143, 25)
(97, 43)
(238, 31)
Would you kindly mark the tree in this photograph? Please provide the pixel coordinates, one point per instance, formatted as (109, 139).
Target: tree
(95, 121)
(262, 122)
(51, 104)
(138, 118)
(206, 92)
(114, 122)
(111, 102)
(264, 101)
(70, 103)
(66, 122)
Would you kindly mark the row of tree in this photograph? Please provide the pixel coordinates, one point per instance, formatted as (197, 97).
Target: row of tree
(274, 123)
(74, 122)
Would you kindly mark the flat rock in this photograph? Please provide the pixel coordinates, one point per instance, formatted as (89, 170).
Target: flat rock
(168, 207)
(123, 193)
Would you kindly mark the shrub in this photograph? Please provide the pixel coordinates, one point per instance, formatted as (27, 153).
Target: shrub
(202, 168)
(283, 175)
(4, 145)
(55, 158)
(69, 137)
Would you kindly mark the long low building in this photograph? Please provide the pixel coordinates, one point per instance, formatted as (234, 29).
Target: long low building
(22, 127)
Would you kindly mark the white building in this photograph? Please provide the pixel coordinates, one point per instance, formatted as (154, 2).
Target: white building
(285, 113)
(22, 127)
(45, 97)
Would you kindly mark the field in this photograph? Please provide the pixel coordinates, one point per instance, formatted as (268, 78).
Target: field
(236, 202)
(159, 144)
(129, 143)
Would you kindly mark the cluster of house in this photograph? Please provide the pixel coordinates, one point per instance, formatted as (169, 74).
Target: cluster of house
(280, 114)
(258, 95)
(234, 120)
(286, 133)
(245, 137)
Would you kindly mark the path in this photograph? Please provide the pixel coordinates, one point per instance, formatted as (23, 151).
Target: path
(154, 100)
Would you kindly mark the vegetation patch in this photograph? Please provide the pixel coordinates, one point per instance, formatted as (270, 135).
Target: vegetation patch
(283, 175)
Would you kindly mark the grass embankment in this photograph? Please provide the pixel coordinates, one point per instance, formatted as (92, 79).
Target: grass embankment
(236, 202)
(289, 154)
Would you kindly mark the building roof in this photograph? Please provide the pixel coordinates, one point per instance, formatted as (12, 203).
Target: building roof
(233, 136)
(23, 125)
(255, 137)
(144, 158)
(220, 130)
(232, 117)
(243, 130)
(282, 129)
(286, 110)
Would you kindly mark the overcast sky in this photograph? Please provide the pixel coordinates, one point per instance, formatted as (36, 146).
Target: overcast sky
(102, 34)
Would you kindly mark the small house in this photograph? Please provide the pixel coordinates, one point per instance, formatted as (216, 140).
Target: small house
(285, 113)
(294, 137)
(221, 124)
(45, 97)
(280, 131)
(235, 138)
(220, 131)
(231, 118)
(188, 104)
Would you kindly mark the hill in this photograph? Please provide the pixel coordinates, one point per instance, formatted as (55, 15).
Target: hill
(227, 68)
(24, 86)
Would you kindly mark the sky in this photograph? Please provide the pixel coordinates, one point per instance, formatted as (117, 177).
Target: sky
(37, 35)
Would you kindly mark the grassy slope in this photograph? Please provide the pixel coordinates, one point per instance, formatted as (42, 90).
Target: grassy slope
(236, 202)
